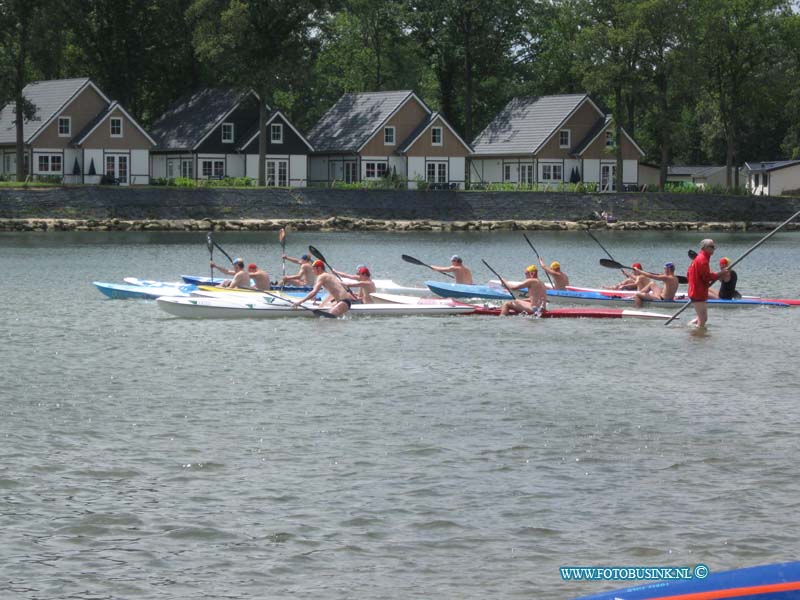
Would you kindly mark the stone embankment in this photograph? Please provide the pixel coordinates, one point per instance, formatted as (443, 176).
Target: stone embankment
(94, 208)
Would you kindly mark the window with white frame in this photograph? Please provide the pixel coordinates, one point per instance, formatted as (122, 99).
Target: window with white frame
(506, 172)
(55, 163)
(64, 126)
(212, 168)
(116, 127)
(375, 170)
(436, 136)
(526, 174)
(227, 133)
(44, 163)
(564, 138)
(388, 136)
(441, 173)
(187, 168)
(219, 168)
(431, 173)
(278, 173)
(609, 139)
(551, 172)
(276, 133)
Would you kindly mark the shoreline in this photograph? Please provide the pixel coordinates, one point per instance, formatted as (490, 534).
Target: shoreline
(360, 224)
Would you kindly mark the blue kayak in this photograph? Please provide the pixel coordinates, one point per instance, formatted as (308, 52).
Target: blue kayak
(124, 291)
(448, 289)
(780, 581)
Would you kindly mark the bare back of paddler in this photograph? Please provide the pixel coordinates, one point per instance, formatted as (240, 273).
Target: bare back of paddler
(537, 295)
(652, 291)
(366, 287)
(560, 279)
(342, 300)
(461, 273)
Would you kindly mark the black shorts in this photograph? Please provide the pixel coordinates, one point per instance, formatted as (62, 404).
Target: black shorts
(347, 301)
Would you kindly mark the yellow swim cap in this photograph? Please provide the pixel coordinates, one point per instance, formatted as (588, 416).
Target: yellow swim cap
(555, 265)
(531, 269)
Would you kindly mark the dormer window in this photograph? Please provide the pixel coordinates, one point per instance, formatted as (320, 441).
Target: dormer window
(227, 133)
(609, 139)
(388, 136)
(116, 127)
(436, 136)
(64, 126)
(276, 133)
(564, 138)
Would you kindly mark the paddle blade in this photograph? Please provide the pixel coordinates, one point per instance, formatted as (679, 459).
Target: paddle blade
(683, 279)
(282, 237)
(612, 264)
(317, 254)
(412, 260)
(692, 254)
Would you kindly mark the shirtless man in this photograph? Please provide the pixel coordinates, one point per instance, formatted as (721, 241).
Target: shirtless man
(457, 268)
(629, 283)
(305, 276)
(363, 281)
(259, 277)
(341, 299)
(241, 279)
(537, 295)
(653, 291)
(560, 280)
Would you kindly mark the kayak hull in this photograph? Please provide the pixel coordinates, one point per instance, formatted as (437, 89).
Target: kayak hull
(214, 308)
(780, 581)
(127, 291)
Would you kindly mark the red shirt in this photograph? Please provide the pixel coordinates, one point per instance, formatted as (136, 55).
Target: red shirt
(700, 277)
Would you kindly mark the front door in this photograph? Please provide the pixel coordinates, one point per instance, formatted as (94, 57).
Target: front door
(608, 178)
(350, 172)
(10, 164)
(117, 168)
(187, 168)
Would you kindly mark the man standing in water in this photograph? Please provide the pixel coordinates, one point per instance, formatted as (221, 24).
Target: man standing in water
(342, 299)
(457, 268)
(700, 278)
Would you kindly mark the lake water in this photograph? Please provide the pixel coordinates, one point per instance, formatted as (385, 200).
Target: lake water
(145, 456)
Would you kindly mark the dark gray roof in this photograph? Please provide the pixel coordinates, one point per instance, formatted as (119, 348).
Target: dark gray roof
(191, 117)
(406, 143)
(525, 123)
(49, 98)
(354, 118)
(692, 170)
(772, 165)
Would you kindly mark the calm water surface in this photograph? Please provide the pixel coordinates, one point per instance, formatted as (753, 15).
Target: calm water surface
(144, 456)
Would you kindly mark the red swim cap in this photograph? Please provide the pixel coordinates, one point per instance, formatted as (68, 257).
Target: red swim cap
(318, 263)
(252, 267)
(363, 271)
(637, 266)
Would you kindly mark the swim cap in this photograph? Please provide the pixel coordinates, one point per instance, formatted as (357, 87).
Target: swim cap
(252, 267)
(318, 263)
(637, 266)
(455, 258)
(669, 265)
(724, 260)
(555, 265)
(531, 269)
(238, 261)
(362, 270)
(305, 257)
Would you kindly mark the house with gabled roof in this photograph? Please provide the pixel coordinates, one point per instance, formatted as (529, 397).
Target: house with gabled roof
(773, 178)
(550, 140)
(699, 175)
(213, 134)
(370, 135)
(77, 135)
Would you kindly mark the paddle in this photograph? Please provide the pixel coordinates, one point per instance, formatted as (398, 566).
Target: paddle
(589, 233)
(539, 258)
(319, 255)
(316, 311)
(503, 281)
(282, 240)
(210, 245)
(740, 259)
(416, 261)
(612, 264)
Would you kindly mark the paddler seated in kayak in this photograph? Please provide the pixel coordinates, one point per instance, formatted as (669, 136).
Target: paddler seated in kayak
(457, 268)
(305, 276)
(537, 295)
(340, 298)
(727, 286)
(560, 279)
(363, 282)
(259, 277)
(241, 279)
(629, 283)
(653, 291)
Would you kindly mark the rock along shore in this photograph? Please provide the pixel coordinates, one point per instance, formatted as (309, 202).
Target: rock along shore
(354, 224)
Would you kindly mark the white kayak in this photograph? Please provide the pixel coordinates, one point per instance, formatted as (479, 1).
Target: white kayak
(217, 308)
